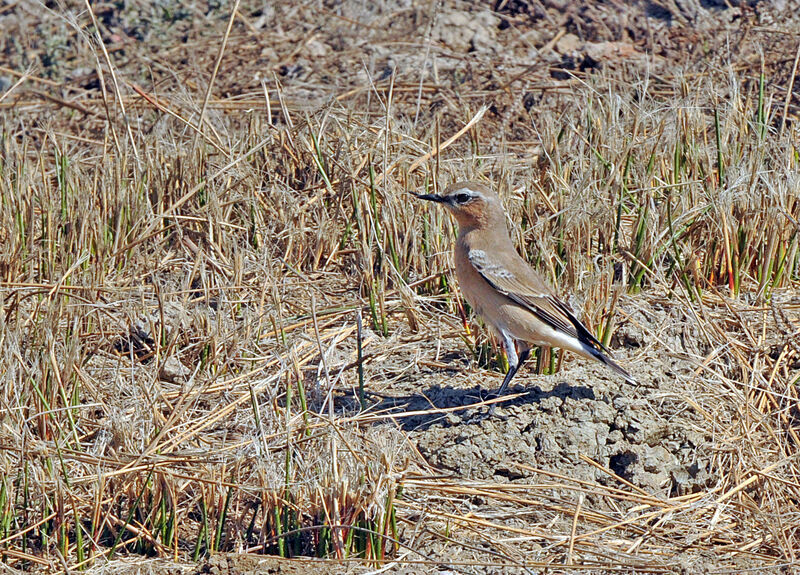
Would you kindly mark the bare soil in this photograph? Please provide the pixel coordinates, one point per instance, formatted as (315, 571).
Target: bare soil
(658, 439)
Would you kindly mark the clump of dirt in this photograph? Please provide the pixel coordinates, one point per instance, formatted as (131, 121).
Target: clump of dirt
(645, 433)
(558, 420)
(419, 66)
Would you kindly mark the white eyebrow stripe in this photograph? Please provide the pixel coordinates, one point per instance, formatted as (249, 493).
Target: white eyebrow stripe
(469, 191)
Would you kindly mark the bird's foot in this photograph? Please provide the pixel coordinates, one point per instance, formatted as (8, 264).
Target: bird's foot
(488, 414)
(478, 418)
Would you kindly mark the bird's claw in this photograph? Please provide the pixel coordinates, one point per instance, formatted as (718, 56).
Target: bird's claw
(489, 413)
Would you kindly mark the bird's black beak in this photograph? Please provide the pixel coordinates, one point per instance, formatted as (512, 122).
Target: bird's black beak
(430, 197)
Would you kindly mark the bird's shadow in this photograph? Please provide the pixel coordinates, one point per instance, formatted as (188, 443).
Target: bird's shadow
(435, 398)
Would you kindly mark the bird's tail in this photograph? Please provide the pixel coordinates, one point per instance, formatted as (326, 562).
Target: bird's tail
(602, 357)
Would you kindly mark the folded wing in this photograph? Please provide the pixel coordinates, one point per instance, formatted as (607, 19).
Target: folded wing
(524, 287)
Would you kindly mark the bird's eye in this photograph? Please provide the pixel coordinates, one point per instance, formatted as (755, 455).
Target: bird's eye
(463, 198)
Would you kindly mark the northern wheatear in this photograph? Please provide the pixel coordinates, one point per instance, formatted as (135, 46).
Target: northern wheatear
(513, 300)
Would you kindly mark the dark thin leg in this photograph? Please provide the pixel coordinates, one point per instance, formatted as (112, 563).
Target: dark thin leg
(512, 370)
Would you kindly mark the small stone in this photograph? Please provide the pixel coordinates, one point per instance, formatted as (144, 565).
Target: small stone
(568, 43)
(317, 49)
(611, 51)
(174, 371)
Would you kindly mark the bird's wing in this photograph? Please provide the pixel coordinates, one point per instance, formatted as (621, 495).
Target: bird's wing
(523, 286)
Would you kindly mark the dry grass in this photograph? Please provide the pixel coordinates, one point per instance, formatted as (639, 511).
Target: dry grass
(181, 355)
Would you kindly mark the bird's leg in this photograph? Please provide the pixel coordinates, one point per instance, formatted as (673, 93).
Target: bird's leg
(514, 363)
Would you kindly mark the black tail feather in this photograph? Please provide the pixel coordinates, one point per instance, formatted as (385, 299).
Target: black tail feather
(602, 357)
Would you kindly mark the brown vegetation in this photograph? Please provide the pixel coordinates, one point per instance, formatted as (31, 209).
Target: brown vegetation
(226, 327)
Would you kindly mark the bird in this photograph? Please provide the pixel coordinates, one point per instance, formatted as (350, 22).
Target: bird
(515, 302)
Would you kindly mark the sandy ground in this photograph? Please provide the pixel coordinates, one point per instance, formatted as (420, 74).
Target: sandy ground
(583, 423)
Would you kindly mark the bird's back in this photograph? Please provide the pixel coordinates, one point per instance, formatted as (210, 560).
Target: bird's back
(481, 265)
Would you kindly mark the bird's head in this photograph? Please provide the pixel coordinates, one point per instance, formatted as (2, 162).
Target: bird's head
(473, 204)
